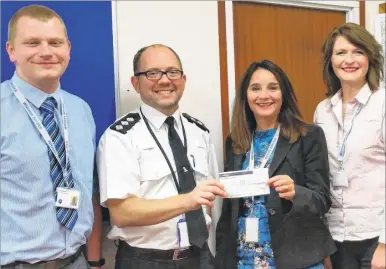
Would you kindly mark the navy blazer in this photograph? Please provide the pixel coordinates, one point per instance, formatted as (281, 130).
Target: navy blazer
(299, 236)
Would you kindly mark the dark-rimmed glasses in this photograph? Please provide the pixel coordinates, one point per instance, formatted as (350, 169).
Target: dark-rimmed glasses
(157, 74)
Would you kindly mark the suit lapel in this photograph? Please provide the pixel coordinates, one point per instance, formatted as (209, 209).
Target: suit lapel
(237, 165)
(282, 147)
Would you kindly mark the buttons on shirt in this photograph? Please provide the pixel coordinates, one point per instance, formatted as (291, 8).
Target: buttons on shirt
(199, 158)
(271, 211)
(201, 169)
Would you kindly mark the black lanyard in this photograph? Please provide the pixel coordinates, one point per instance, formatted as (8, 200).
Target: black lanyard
(163, 151)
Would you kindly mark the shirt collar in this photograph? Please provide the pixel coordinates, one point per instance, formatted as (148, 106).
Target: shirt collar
(336, 98)
(362, 96)
(32, 94)
(157, 118)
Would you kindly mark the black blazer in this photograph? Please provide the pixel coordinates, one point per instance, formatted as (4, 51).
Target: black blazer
(299, 236)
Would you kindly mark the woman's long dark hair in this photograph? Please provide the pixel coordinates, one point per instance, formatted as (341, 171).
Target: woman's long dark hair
(243, 120)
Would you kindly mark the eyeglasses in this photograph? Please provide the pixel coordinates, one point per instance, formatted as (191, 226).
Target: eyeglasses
(155, 75)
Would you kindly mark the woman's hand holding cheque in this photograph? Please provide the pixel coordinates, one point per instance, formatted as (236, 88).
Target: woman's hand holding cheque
(284, 185)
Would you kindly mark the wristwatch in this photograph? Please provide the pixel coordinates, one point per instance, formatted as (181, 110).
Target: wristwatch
(99, 263)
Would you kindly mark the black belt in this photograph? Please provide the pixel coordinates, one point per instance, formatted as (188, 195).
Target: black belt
(157, 254)
(53, 264)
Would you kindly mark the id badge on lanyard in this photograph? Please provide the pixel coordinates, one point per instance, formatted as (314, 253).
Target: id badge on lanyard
(42, 130)
(340, 178)
(183, 235)
(252, 229)
(67, 198)
(252, 222)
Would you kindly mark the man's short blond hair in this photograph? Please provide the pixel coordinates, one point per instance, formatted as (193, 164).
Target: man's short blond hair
(37, 12)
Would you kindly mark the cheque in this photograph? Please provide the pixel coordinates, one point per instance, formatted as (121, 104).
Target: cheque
(245, 183)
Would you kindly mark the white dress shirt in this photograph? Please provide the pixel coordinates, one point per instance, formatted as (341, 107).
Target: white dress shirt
(132, 164)
(357, 211)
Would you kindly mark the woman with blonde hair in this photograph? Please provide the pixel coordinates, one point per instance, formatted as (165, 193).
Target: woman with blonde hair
(353, 120)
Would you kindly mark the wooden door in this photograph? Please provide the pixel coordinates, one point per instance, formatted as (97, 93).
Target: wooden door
(291, 37)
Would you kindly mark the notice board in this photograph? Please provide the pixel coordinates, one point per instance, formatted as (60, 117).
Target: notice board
(90, 74)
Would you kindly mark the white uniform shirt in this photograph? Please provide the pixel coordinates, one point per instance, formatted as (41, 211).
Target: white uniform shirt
(133, 164)
(357, 211)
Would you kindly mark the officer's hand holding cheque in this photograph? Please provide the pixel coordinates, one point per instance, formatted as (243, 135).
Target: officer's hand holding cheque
(135, 211)
(204, 194)
(157, 168)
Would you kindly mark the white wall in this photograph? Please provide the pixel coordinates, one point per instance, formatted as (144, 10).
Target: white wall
(372, 8)
(194, 38)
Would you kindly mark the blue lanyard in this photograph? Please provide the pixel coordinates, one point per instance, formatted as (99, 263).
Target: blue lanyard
(267, 155)
(42, 130)
(341, 149)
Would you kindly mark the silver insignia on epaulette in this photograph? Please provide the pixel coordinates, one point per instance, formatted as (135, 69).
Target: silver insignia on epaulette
(119, 127)
(124, 122)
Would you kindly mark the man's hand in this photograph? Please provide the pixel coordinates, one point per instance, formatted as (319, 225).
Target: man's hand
(284, 185)
(379, 257)
(205, 193)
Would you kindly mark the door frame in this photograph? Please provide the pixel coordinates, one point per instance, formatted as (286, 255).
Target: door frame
(352, 15)
(114, 18)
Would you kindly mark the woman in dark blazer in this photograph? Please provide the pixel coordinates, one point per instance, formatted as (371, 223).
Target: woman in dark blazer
(291, 231)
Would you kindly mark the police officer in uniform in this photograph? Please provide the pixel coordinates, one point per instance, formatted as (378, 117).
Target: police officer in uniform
(156, 169)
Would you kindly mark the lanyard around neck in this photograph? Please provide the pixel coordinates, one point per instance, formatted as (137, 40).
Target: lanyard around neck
(163, 151)
(341, 149)
(43, 131)
(268, 153)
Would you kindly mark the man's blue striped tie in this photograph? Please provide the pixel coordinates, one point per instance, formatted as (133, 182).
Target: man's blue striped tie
(66, 216)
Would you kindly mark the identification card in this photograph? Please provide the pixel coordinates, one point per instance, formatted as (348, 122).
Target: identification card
(340, 179)
(245, 183)
(68, 198)
(251, 229)
(183, 236)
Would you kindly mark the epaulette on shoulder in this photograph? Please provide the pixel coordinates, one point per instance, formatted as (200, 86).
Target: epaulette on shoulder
(125, 123)
(195, 121)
